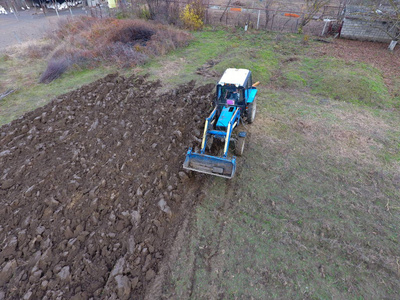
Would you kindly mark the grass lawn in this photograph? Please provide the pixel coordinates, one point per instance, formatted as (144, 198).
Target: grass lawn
(313, 211)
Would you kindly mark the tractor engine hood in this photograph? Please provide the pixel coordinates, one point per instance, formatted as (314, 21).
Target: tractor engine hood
(225, 116)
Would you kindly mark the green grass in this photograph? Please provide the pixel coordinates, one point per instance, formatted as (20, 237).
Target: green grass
(228, 50)
(301, 219)
(313, 210)
(351, 82)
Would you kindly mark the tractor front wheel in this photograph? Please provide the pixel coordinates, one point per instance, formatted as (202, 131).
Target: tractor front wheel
(251, 112)
(239, 147)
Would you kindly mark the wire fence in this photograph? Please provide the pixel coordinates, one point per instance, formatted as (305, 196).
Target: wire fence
(235, 15)
(255, 18)
(271, 19)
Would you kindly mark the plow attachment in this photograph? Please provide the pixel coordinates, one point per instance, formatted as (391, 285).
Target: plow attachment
(208, 164)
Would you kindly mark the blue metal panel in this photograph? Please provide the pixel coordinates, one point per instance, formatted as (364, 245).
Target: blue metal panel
(252, 95)
(217, 132)
(231, 125)
(226, 116)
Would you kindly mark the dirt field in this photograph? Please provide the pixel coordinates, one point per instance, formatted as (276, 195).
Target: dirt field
(92, 189)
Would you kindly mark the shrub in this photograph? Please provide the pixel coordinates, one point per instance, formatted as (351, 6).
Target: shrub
(125, 56)
(174, 13)
(192, 16)
(305, 40)
(55, 68)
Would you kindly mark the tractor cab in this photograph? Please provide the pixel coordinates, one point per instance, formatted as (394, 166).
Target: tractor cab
(232, 89)
(231, 94)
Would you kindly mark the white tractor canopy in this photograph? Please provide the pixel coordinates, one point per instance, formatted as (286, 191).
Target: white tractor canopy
(236, 77)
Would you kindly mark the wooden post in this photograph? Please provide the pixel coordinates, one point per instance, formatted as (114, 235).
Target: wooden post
(14, 9)
(392, 45)
(55, 7)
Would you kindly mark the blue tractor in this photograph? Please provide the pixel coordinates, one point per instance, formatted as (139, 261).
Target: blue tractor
(235, 101)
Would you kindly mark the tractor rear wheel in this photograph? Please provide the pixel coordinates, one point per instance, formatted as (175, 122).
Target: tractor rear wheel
(251, 112)
(239, 147)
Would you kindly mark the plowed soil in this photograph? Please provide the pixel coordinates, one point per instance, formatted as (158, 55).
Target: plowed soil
(92, 189)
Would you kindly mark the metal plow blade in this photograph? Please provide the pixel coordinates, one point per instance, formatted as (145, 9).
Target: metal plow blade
(208, 164)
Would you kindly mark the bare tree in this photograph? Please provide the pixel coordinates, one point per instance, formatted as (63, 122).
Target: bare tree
(268, 7)
(154, 6)
(310, 10)
(163, 10)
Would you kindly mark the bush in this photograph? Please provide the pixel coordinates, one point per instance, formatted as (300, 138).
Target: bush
(125, 56)
(55, 68)
(192, 16)
(132, 34)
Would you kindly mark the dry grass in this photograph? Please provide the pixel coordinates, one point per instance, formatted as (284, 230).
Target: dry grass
(351, 140)
(170, 69)
(336, 130)
(37, 49)
(87, 41)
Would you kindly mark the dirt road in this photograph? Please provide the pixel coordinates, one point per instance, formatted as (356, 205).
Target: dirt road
(29, 25)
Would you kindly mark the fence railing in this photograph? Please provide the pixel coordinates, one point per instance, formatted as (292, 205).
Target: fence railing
(281, 20)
